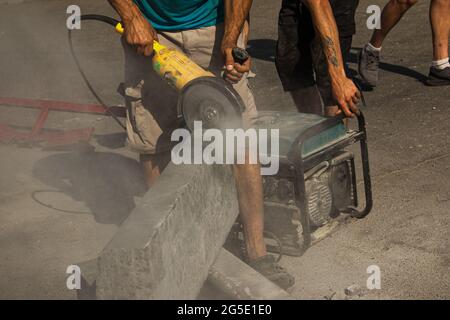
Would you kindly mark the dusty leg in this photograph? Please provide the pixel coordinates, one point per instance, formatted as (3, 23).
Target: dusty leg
(250, 196)
(391, 15)
(440, 26)
(153, 165)
(307, 100)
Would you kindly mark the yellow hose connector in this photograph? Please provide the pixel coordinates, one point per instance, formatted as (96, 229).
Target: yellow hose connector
(119, 28)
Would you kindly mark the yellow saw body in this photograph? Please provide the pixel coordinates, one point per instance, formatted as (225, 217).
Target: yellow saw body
(204, 97)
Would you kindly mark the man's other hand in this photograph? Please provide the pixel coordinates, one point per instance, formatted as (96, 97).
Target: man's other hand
(233, 70)
(347, 97)
(140, 34)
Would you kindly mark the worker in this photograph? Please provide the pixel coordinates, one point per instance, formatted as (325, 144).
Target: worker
(439, 73)
(207, 31)
(314, 41)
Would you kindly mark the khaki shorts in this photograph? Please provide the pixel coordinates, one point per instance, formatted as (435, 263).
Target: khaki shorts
(152, 103)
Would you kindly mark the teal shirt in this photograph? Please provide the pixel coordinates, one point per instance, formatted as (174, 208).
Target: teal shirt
(177, 15)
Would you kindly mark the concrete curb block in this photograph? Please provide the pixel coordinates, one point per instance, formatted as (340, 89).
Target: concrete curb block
(166, 247)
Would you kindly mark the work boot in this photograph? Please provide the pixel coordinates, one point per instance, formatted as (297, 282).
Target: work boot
(368, 66)
(438, 77)
(270, 269)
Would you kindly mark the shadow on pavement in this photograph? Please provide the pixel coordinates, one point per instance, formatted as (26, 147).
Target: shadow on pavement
(111, 140)
(265, 49)
(105, 182)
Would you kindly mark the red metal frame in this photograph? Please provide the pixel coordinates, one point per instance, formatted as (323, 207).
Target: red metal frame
(51, 138)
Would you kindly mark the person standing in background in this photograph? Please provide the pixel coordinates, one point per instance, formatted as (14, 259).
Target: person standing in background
(314, 42)
(394, 10)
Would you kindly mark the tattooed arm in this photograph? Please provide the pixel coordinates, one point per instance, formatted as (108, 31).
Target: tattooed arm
(344, 90)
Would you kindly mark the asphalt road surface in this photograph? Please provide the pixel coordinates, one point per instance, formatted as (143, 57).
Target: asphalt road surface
(60, 208)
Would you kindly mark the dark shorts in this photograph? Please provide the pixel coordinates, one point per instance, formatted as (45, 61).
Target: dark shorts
(300, 61)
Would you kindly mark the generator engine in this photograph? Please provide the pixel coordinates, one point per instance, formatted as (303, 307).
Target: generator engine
(330, 188)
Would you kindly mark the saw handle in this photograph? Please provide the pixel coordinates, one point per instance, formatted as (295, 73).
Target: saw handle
(240, 55)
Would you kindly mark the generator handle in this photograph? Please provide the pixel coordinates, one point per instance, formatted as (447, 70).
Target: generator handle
(353, 211)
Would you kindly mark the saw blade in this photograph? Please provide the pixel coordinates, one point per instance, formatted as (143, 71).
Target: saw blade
(213, 102)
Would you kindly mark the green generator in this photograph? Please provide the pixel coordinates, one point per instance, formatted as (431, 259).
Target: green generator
(316, 182)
